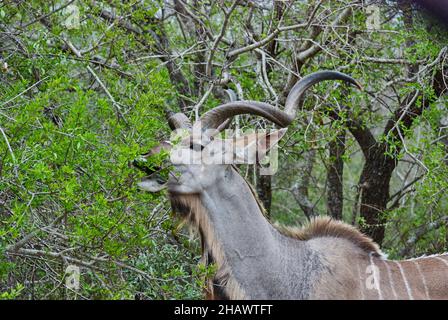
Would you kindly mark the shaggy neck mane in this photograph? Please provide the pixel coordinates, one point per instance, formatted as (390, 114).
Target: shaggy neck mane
(191, 211)
(224, 285)
(324, 227)
(320, 227)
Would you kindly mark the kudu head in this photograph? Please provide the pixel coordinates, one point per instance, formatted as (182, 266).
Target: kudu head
(200, 159)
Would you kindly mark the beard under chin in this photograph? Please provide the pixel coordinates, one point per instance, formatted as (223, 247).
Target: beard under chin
(183, 205)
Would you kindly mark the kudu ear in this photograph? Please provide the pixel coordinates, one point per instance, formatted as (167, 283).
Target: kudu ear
(253, 147)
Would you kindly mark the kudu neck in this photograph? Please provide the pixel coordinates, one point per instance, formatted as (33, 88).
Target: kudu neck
(250, 245)
(236, 215)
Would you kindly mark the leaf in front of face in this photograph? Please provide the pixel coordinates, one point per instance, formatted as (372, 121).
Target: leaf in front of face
(179, 136)
(155, 163)
(162, 161)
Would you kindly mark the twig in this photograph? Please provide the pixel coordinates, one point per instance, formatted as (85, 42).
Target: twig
(228, 13)
(9, 146)
(19, 244)
(116, 105)
(202, 101)
(25, 91)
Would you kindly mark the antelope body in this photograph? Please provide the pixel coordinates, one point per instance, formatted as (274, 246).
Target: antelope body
(325, 260)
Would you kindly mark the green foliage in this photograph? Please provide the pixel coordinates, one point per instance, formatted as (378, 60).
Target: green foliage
(13, 293)
(72, 148)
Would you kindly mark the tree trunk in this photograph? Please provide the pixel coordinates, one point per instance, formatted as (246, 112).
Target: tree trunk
(264, 190)
(335, 194)
(375, 183)
(301, 188)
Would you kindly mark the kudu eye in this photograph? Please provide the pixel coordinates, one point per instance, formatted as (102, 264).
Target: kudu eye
(160, 180)
(196, 147)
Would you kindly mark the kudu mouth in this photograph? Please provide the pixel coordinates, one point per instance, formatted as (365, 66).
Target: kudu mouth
(156, 178)
(153, 182)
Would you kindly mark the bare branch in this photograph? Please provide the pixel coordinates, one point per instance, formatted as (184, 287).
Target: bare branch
(228, 13)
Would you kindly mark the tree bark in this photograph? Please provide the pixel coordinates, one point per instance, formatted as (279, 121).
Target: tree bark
(375, 184)
(301, 189)
(264, 190)
(335, 193)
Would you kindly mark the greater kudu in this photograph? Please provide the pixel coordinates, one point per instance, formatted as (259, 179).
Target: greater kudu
(325, 260)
